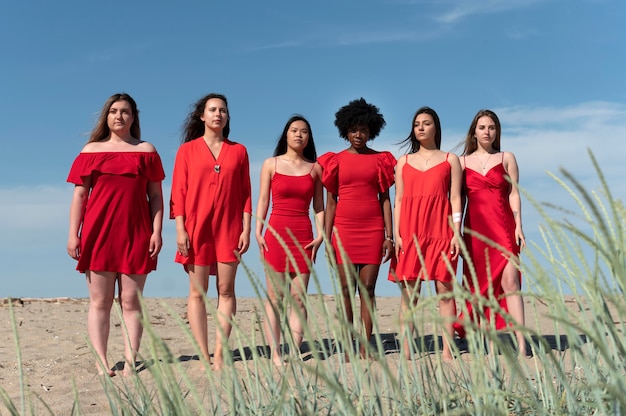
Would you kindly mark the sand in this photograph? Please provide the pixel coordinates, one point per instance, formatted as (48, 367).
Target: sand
(56, 357)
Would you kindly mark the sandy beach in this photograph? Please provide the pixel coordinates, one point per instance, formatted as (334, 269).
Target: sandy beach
(56, 357)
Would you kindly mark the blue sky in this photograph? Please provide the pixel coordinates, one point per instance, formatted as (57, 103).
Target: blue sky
(553, 70)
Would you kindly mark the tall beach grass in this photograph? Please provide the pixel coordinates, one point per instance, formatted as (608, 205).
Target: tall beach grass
(578, 367)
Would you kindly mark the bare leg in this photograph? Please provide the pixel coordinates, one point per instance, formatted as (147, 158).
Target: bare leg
(410, 296)
(346, 300)
(447, 310)
(226, 308)
(298, 317)
(272, 310)
(196, 308)
(514, 301)
(101, 287)
(130, 287)
(368, 274)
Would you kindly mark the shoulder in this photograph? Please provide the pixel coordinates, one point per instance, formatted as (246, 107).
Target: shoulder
(453, 158)
(92, 147)
(268, 164)
(146, 147)
(401, 161)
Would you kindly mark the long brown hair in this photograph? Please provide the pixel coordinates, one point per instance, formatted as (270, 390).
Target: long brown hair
(471, 144)
(102, 132)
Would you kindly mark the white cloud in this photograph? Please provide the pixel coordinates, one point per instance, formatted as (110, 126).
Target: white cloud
(462, 9)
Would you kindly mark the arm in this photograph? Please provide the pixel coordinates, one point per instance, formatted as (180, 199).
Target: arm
(456, 178)
(329, 219)
(263, 203)
(397, 205)
(77, 211)
(155, 198)
(318, 209)
(244, 238)
(385, 204)
(515, 200)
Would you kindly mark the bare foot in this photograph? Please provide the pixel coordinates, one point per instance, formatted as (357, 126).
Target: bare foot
(218, 363)
(278, 361)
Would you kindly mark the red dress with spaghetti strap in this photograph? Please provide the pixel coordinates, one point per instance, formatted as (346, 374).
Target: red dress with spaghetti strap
(211, 194)
(117, 224)
(424, 216)
(290, 222)
(357, 180)
(488, 216)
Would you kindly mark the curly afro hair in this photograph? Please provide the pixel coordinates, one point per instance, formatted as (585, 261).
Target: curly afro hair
(359, 113)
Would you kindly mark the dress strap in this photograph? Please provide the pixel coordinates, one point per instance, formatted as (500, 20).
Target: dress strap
(447, 154)
(312, 167)
(406, 158)
(502, 160)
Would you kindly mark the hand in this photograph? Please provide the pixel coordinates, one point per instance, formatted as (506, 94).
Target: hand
(455, 248)
(399, 246)
(156, 242)
(519, 237)
(182, 242)
(244, 242)
(388, 250)
(314, 246)
(260, 240)
(73, 247)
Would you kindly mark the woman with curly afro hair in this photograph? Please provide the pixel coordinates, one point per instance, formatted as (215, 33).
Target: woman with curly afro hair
(358, 209)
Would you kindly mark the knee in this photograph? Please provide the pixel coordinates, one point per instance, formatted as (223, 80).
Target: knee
(226, 291)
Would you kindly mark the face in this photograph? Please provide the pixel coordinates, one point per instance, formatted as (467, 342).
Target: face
(298, 135)
(358, 136)
(485, 132)
(120, 117)
(215, 114)
(424, 128)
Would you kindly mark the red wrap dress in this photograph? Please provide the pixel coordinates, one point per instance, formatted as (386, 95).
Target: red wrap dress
(291, 199)
(425, 215)
(117, 223)
(488, 214)
(212, 195)
(357, 180)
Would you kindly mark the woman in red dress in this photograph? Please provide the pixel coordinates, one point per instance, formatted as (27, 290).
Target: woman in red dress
(211, 204)
(428, 196)
(116, 217)
(493, 225)
(358, 210)
(294, 180)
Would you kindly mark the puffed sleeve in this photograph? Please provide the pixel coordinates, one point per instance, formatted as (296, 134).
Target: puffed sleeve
(179, 183)
(330, 171)
(386, 165)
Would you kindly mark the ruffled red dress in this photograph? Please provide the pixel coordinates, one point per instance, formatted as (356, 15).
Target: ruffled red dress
(212, 195)
(489, 214)
(117, 224)
(424, 215)
(357, 180)
(290, 222)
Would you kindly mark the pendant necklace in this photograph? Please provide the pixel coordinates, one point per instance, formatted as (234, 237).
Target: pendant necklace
(484, 165)
(427, 160)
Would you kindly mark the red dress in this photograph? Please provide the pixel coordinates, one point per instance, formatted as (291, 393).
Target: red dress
(212, 196)
(424, 214)
(117, 224)
(291, 199)
(489, 214)
(357, 180)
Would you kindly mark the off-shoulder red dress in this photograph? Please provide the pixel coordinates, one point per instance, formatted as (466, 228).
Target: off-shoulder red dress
(357, 180)
(424, 216)
(117, 225)
(212, 196)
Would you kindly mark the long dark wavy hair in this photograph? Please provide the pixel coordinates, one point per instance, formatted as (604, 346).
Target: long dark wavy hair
(281, 146)
(359, 113)
(102, 132)
(471, 144)
(194, 126)
(411, 142)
